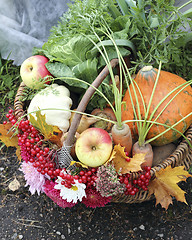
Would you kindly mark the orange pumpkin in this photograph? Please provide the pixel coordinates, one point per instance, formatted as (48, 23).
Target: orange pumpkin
(180, 106)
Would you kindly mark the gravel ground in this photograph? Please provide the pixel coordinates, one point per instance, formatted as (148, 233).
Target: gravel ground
(36, 217)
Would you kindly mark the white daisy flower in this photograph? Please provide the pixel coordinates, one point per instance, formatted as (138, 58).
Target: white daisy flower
(73, 194)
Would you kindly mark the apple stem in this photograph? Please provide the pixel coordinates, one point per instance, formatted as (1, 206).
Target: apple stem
(84, 101)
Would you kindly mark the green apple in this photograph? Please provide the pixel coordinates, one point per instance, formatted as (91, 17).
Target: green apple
(93, 147)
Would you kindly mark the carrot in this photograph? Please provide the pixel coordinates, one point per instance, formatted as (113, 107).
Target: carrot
(123, 137)
(146, 149)
(106, 113)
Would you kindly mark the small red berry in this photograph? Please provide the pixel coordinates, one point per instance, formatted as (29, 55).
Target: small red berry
(82, 173)
(50, 172)
(128, 159)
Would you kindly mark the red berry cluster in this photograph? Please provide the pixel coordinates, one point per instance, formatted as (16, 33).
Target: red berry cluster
(68, 179)
(133, 186)
(33, 148)
(11, 118)
(87, 176)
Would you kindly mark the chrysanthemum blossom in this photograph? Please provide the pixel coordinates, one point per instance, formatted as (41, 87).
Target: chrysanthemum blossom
(34, 179)
(94, 199)
(73, 194)
(54, 194)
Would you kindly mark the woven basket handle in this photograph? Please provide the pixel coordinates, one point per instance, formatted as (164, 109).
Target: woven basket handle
(18, 104)
(84, 101)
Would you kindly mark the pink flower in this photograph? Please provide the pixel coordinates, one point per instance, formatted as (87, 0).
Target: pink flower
(94, 199)
(54, 194)
(34, 179)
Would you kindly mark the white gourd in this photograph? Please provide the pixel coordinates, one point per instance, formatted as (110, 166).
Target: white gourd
(54, 96)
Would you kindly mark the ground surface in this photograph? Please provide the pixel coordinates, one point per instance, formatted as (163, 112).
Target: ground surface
(36, 217)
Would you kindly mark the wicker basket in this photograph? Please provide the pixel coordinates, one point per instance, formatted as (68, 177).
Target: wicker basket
(182, 156)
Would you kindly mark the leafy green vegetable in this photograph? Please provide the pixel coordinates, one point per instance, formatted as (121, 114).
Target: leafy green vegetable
(151, 31)
(159, 32)
(71, 46)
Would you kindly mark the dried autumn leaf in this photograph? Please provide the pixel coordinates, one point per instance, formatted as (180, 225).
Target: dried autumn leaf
(51, 133)
(164, 186)
(8, 138)
(111, 157)
(123, 166)
(14, 185)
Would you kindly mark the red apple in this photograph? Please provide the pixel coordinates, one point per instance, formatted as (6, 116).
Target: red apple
(33, 70)
(93, 147)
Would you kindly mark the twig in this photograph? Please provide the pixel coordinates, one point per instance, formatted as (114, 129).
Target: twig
(27, 220)
(29, 225)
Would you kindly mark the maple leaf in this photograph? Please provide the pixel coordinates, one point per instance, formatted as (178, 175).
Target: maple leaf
(50, 132)
(8, 138)
(123, 166)
(164, 186)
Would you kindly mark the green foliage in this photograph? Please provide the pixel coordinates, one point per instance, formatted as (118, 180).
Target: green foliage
(152, 30)
(9, 83)
(28, 94)
(71, 45)
(158, 31)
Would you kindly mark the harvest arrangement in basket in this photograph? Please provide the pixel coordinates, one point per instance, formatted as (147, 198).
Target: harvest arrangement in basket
(100, 100)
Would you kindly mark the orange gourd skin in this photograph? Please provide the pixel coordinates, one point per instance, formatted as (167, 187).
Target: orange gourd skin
(175, 111)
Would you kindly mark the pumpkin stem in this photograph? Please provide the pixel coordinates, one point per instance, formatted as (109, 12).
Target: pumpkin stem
(147, 68)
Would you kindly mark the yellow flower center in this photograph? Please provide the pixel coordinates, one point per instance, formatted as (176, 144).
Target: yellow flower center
(74, 188)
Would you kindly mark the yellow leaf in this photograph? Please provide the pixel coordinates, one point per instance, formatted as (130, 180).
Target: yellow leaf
(8, 138)
(51, 133)
(123, 166)
(111, 157)
(78, 163)
(164, 186)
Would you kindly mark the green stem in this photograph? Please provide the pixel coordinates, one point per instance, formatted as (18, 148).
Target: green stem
(121, 59)
(169, 127)
(179, 8)
(185, 4)
(162, 124)
(117, 95)
(144, 128)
